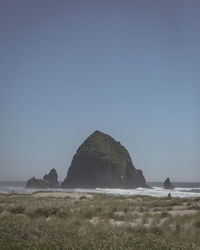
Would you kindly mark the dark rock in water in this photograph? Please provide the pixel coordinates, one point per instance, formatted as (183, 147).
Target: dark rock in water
(52, 178)
(36, 183)
(49, 181)
(103, 162)
(167, 184)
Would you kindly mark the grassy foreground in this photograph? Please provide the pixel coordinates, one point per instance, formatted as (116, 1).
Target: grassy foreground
(98, 222)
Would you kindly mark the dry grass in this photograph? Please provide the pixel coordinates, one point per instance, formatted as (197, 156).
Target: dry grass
(55, 221)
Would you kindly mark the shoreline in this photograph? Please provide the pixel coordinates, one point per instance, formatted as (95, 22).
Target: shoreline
(154, 192)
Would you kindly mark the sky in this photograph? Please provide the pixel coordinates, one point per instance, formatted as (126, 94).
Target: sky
(129, 68)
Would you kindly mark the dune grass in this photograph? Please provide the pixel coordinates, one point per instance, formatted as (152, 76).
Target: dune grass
(101, 222)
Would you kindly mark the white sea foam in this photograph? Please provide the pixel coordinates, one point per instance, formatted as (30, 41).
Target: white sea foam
(155, 191)
(187, 189)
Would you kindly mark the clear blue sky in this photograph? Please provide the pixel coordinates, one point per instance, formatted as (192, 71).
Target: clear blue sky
(128, 68)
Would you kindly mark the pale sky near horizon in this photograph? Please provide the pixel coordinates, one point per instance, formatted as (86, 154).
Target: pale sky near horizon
(129, 68)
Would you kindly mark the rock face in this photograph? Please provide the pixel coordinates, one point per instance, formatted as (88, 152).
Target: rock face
(52, 178)
(167, 184)
(49, 181)
(102, 161)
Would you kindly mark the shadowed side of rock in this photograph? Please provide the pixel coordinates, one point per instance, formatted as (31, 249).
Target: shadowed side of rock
(49, 181)
(103, 162)
(52, 178)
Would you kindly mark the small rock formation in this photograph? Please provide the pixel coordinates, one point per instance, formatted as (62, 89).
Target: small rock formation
(52, 178)
(103, 162)
(49, 181)
(167, 184)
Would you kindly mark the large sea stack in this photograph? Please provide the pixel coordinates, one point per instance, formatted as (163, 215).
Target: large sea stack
(49, 181)
(103, 162)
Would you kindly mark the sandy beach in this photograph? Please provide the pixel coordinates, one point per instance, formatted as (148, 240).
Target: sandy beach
(61, 195)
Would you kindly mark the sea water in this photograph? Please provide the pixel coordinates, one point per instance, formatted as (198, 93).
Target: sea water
(182, 189)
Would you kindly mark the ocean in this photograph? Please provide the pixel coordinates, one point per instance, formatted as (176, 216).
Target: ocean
(182, 189)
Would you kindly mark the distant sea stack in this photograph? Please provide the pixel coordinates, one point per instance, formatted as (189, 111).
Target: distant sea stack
(49, 181)
(167, 184)
(103, 162)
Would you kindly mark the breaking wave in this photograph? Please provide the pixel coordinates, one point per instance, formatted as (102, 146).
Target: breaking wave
(156, 191)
